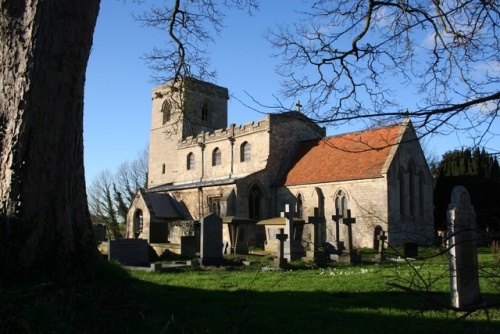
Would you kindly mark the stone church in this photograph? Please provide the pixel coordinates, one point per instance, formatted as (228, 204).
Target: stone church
(247, 174)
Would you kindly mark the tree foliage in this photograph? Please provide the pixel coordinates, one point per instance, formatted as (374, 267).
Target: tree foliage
(361, 51)
(189, 27)
(353, 58)
(479, 172)
(110, 194)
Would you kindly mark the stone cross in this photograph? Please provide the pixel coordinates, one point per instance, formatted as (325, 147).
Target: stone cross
(349, 221)
(281, 248)
(381, 238)
(298, 106)
(336, 218)
(288, 214)
(316, 220)
(464, 277)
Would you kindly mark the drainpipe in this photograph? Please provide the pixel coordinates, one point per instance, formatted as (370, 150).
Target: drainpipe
(231, 139)
(201, 144)
(200, 203)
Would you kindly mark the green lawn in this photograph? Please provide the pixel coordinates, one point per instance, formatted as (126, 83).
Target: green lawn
(255, 299)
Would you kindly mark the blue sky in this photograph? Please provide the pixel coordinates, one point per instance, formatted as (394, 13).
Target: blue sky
(118, 87)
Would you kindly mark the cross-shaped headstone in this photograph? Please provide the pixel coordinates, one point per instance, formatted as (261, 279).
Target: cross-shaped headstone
(289, 221)
(316, 220)
(281, 248)
(349, 221)
(381, 238)
(336, 218)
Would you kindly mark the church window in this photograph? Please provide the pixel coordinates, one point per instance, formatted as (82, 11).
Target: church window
(190, 161)
(165, 109)
(411, 188)
(300, 206)
(214, 205)
(163, 169)
(402, 198)
(421, 184)
(341, 202)
(216, 157)
(205, 112)
(138, 221)
(254, 198)
(245, 152)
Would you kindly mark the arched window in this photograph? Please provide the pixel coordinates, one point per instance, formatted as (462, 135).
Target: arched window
(167, 113)
(214, 205)
(411, 188)
(206, 111)
(421, 184)
(245, 152)
(216, 157)
(190, 161)
(341, 202)
(254, 197)
(138, 221)
(402, 196)
(300, 206)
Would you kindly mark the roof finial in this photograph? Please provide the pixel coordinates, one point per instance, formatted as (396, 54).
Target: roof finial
(407, 114)
(298, 106)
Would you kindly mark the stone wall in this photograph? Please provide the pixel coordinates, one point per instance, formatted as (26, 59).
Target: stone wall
(138, 204)
(185, 121)
(367, 200)
(417, 224)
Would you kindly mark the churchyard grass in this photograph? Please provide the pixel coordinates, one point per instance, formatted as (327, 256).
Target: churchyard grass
(304, 299)
(253, 299)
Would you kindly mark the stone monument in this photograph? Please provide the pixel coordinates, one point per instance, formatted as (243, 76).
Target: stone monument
(211, 245)
(293, 245)
(280, 261)
(350, 255)
(462, 243)
(316, 238)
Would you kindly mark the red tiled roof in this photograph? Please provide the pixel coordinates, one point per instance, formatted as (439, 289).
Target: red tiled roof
(350, 156)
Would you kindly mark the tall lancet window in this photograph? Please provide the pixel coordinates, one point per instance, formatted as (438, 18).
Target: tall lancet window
(254, 197)
(166, 111)
(190, 162)
(341, 202)
(216, 157)
(300, 206)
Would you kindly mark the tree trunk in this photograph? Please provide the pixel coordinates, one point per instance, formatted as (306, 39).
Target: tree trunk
(45, 227)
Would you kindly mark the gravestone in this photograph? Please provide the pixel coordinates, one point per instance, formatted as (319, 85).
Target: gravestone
(100, 232)
(188, 245)
(410, 250)
(293, 249)
(281, 261)
(129, 252)
(350, 255)
(464, 277)
(381, 238)
(336, 218)
(211, 240)
(349, 221)
(316, 237)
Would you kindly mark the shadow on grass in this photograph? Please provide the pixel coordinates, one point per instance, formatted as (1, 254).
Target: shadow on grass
(184, 310)
(115, 302)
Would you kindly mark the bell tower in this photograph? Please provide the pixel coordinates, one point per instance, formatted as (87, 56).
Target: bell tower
(180, 110)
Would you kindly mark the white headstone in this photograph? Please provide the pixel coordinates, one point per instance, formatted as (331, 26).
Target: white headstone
(464, 279)
(292, 247)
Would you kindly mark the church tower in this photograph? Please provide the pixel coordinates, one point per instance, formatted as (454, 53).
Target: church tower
(188, 108)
